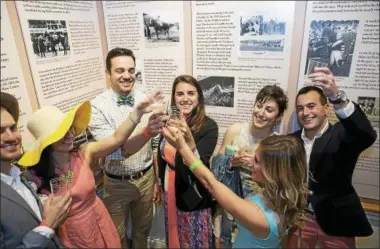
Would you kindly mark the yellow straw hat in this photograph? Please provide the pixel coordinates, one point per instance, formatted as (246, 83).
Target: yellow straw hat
(49, 124)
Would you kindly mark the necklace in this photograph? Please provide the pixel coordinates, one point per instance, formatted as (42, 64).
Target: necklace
(67, 176)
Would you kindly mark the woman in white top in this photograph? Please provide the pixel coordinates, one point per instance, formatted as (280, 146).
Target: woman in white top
(237, 150)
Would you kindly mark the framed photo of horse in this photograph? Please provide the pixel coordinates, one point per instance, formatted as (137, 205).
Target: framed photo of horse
(161, 27)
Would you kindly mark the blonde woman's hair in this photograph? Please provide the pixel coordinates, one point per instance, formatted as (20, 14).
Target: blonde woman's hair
(283, 161)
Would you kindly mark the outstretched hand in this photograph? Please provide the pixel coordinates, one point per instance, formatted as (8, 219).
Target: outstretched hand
(56, 208)
(324, 78)
(144, 106)
(156, 122)
(186, 131)
(174, 137)
(240, 160)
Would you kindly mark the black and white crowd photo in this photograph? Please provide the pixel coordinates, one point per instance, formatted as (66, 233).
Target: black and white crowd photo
(261, 24)
(218, 91)
(332, 44)
(49, 38)
(261, 33)
(369, 105)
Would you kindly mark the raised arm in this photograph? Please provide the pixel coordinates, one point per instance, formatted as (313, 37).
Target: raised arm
(248, 213)
(106, 146)
(358, 129)
(206, 143)
(231, 132)
(359, 132)
(135, 143)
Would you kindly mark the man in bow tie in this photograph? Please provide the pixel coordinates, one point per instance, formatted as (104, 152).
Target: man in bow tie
(24, 223)
(130, 179)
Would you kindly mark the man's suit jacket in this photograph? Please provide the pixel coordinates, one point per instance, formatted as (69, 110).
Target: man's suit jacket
(18, 220)
(337, 207)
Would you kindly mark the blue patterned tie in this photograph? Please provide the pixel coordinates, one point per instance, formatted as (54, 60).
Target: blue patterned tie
(125, 100)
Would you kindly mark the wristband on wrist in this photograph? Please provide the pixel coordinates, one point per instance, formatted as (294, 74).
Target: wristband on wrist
(145, 131)
(194, 165)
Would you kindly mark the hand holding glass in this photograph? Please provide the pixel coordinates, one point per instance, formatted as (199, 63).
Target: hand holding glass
(58, 187)
(174, 117)
(158, 104)
(174, 113)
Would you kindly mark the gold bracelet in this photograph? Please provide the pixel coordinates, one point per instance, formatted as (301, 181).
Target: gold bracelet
(134, 122)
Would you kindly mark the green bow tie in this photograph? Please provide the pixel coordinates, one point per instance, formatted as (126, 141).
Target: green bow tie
(125, 100)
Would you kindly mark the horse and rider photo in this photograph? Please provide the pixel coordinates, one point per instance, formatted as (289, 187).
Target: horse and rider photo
(161, 27)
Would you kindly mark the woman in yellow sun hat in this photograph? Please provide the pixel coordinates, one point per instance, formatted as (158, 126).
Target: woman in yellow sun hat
(88, 224)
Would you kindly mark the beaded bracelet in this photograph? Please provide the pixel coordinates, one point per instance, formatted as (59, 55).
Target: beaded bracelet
(194, 165)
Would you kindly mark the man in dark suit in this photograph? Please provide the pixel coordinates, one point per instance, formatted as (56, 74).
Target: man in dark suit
(335, 214)
(23, 223)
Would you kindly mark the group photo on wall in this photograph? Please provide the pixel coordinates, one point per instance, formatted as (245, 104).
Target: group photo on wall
(49, 38)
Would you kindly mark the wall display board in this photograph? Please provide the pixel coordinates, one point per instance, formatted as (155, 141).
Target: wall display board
(12, 78)
(64, 50)
(238, 48)
(154, 31)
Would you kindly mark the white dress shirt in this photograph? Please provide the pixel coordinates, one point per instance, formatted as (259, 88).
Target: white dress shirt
(14, 180)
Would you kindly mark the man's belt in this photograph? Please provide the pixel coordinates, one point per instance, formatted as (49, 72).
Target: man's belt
(131, 177)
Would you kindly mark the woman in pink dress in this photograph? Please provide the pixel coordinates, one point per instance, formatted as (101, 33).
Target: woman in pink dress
(88, 224)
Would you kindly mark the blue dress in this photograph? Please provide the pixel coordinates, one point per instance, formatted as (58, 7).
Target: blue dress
(245, 238)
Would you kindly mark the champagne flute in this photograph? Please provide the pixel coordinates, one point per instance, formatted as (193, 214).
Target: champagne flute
(58, 187)
(174, 116)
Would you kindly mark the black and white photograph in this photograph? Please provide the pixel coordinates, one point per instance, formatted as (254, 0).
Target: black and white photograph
(138, 76)
(262, 45)
(49, 38)
(138, 72)
(332, 43)
(261, 24)
(218, 90)
(369, 105)
(161, 27)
